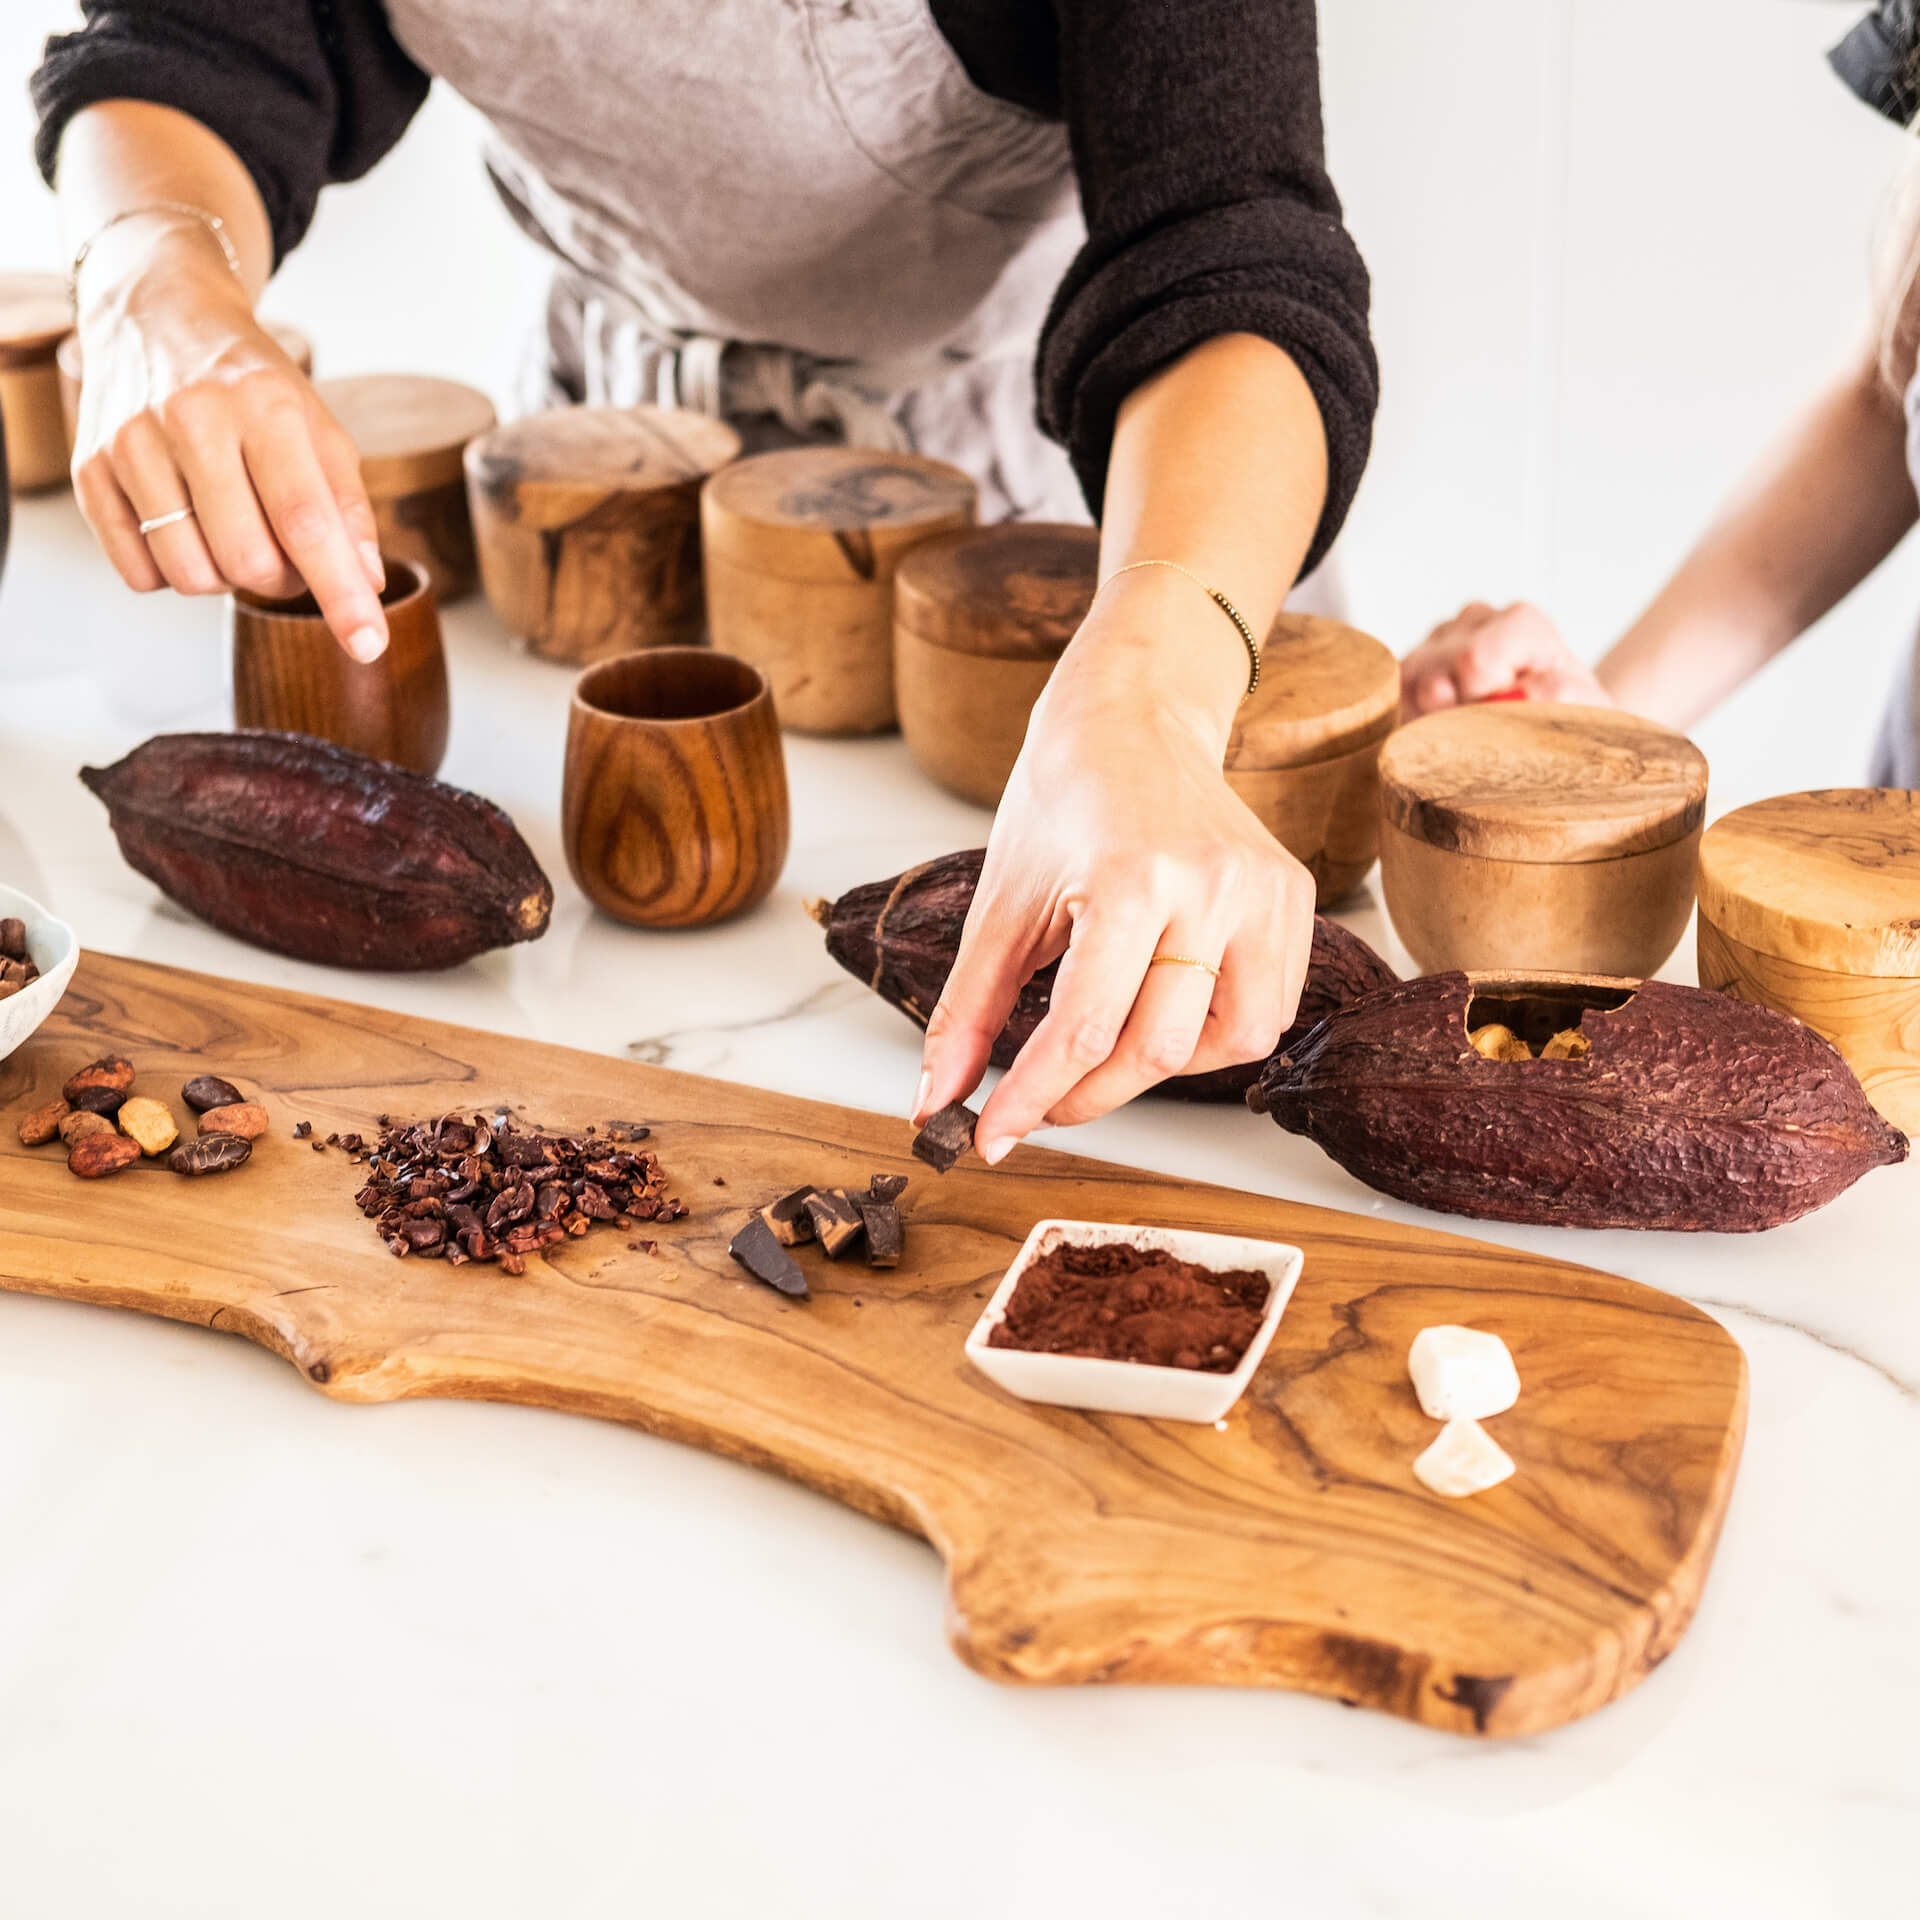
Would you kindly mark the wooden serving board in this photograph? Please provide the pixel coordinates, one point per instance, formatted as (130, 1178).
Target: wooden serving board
(1291, 1548)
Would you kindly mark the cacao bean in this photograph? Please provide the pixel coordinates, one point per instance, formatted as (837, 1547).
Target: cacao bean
(247, 1119)
(211, 1153)
(149, 1124)
(80, 1125)
(901, 935)
(306, 849)
(1686, 1110)
(96, 1155)
(105, 1101)
(43, 1123)
(207, 1090)
(113, 1072)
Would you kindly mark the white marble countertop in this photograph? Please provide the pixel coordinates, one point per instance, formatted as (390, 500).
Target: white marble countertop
(266, 1655)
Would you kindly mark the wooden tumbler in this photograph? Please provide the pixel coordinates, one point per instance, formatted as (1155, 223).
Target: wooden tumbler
(979, 618)
(290, 673)
(1305, 750)
(412, 432)
(588, 520)
(674, 808)
(801, 548)
(35, 316)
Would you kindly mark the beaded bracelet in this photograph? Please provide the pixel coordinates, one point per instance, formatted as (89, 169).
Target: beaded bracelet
(1221, 601)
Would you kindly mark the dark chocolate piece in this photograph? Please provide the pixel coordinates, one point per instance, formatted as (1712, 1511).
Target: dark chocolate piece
(886, 1234)
(788, 1217)
(767, 1260)
(886, 1187)
(947, 1138)
(836, 1220)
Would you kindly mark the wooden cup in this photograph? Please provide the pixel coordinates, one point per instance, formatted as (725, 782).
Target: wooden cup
(674, 808)
(35, 315)
(290, 673)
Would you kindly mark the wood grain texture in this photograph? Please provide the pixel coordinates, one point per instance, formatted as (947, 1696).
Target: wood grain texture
(801, 548)
(588, 520)
(1460, 910)
(674, 809)
(979, 618)
(289, 673)
(35, 313)
(1532, 781)
(1293, 1548)
(1326, 814)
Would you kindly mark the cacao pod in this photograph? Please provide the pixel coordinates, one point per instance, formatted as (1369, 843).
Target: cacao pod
(305, 849)
(901, 935)
(1686, 1110)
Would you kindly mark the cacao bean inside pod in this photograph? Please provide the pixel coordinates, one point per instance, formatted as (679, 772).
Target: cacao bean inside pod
(1686, 1110)
(901, 936)
(303, 848)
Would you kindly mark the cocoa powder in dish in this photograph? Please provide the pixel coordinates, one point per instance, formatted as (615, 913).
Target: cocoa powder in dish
(1117, 1302)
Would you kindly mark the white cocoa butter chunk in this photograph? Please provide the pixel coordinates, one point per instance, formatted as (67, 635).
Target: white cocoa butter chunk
(1462, 1374)
(1465, 1459)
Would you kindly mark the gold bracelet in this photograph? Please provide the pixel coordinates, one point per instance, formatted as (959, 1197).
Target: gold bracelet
(175, 209)
(1220, 600)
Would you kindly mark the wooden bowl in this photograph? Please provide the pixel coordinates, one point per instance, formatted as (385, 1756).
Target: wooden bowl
(979, 618)
(1305, 749)
(1541, 838)
(588, 520)
(1811, 903)
(290, 673)
(801, 548)
(36, 314)
(412, 432)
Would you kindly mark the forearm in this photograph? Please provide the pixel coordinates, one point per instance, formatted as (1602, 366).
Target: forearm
(1822, 512)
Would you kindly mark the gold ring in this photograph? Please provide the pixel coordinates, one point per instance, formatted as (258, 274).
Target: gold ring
(1182, 960)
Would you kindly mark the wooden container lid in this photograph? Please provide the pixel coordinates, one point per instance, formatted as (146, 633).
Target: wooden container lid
(1830, 880)
(1543, 784)
(36, 313)
(1017, 591)
(819, 514)
(570, 458)
(411, 429)
(1326, 690)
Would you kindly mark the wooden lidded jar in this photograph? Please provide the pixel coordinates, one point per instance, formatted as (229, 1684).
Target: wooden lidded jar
(588, 520)
(1305, 749)
(1540, 838)
(36, 314)
(1811, 903)
(801, 547)
(979, 618)
(411, 430)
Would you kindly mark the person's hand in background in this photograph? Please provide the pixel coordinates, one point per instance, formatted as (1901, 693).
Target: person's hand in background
(1495, 653)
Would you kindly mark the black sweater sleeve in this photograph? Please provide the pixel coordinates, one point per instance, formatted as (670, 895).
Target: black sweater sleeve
(304, 91)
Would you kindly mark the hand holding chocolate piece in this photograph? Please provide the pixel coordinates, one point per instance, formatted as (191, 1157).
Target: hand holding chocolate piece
(767, 1260)
(947, 1138)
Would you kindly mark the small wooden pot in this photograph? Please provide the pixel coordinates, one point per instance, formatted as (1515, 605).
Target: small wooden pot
(293, 343)
(290, 673)
(35, 316)
(801, 548)
(1305, 750)
(1811, 903)
(1540, 838)
(412, 431)
(979, 618)
(588, 520)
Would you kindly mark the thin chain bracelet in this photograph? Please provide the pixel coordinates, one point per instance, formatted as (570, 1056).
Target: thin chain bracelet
(1221, 601)
(180, 209)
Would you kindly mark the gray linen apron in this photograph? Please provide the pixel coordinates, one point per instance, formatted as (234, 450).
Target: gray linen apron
(1896, 757)
(798, 215)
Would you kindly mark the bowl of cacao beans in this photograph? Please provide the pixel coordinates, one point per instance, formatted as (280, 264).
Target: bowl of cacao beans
(37, 956)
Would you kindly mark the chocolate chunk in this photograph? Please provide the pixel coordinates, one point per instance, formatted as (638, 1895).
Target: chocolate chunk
(207, 1090)
(886, 1233)
(947, 1138)
(836, 1220)
(886, 1187)
(767, 1260)
(788, 1217)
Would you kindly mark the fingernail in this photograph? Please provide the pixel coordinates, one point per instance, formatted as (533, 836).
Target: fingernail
(993, 1151)
(366, 644)
(375, 566)
(920, 1096)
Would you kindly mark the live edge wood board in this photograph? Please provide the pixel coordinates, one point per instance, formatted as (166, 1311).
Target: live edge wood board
(1293, 1548)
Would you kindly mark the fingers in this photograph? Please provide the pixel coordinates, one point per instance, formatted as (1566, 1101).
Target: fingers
(993, 964)
(226, 509)
(154, 486)
(1484, 654)
(107, 510)
(340, 461)
(1499, 651)
(1160, 1038)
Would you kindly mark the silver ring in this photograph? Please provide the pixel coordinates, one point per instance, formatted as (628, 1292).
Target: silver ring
(166, 520)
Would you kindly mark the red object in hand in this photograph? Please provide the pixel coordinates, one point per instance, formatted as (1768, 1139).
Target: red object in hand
(1512, 693)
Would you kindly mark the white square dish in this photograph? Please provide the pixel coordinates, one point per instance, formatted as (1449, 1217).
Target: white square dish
(1129, 1386)
(55, 952)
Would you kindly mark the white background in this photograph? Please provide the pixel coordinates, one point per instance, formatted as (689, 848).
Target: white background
(1614, 244)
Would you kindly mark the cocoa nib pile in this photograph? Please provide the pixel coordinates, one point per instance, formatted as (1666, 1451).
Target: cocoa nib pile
(459, 1189)
(1120, 1303)
(17, 971)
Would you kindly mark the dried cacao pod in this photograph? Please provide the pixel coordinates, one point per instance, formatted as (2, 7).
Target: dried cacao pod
(1687, 1110)
(306, 849)
(901, 935)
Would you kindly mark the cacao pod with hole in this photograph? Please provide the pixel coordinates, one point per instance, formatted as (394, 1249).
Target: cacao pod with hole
(901, 935)
(305, 849)
(1686, 1110)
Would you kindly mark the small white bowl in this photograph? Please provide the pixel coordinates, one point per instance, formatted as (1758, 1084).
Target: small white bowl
(1129, 1386)
(55, 952)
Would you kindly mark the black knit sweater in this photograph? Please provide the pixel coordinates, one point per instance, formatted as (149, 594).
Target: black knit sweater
(1195, 127)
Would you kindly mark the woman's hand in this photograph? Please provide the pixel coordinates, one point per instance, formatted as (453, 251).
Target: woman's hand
(187, 401)
(1119, 839)
(1489, 653)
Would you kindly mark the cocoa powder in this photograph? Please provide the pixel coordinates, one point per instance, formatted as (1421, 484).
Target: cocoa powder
(1120, 1303)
